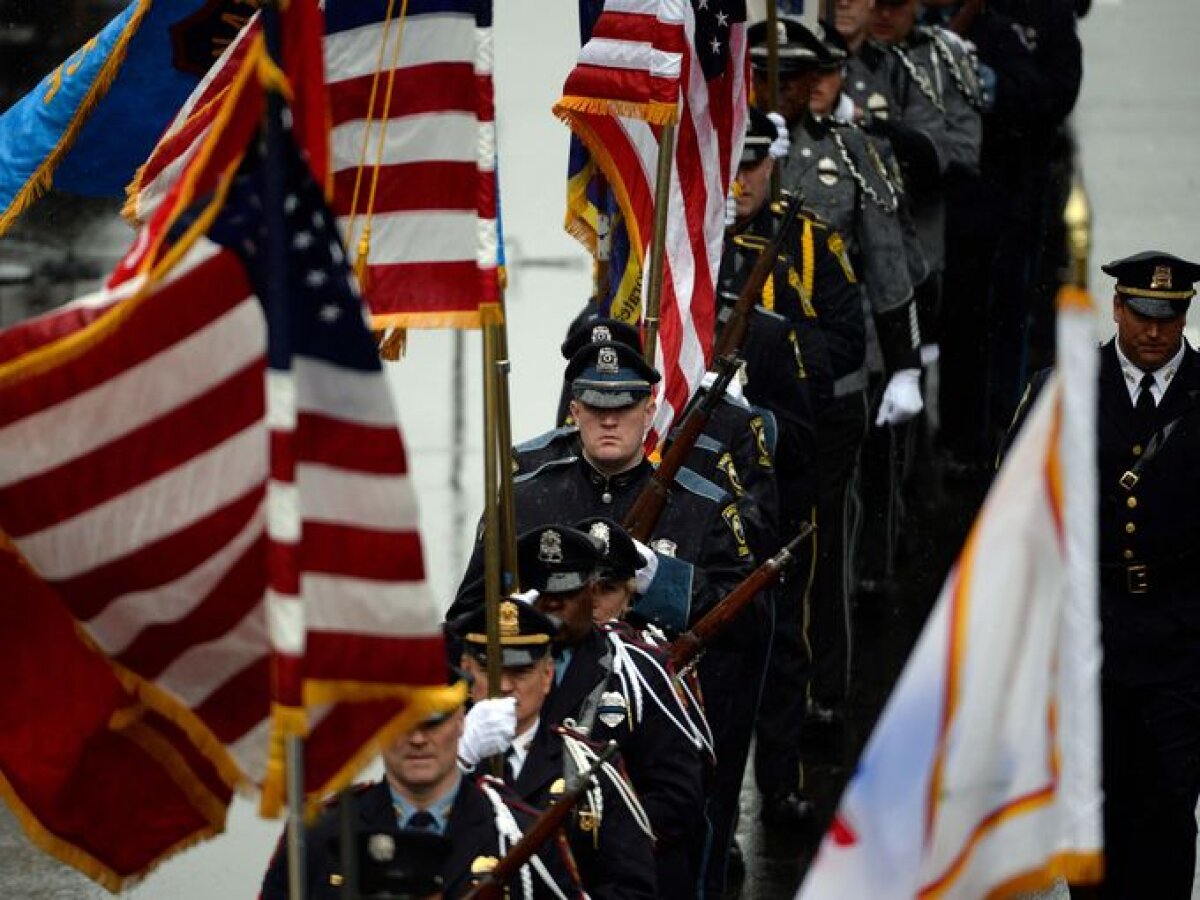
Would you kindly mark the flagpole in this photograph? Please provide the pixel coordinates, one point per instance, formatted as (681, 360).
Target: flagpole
(283, 409)
(492, 562)
(508, 518)
(773, 80)
(662, 198)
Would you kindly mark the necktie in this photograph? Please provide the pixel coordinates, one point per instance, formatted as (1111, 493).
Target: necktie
(510, 764)
(422, 820)
(1145, 401)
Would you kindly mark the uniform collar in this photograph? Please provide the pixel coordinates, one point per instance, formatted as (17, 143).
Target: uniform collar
(1131, 375)
(439, 809)
(611, 483)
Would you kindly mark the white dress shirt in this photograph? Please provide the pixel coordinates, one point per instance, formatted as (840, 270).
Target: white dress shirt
(1162, 375)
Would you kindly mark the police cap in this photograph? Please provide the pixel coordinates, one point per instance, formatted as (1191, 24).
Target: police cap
(525, 634)
(799, 50)
(760, 132)
(556, 559)
(609, 375)
(837, 50)
(593, 331)
(619, 559)
(1154, 283)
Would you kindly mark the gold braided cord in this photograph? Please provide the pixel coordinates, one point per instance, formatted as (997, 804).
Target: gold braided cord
(364, 243)
(362, 155)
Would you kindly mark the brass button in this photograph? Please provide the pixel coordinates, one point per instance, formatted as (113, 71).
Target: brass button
(1128, 554)
(1130, 528)
(1137, 449)
(1131, 502)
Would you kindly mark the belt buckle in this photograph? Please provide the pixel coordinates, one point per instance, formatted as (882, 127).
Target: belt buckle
(1137, 579)
(1129, 480)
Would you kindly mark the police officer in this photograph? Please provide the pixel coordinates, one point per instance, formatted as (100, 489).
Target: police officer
(1149, 537)
(608, 693)
(424, 790)
(1030, 62)
(609, 833)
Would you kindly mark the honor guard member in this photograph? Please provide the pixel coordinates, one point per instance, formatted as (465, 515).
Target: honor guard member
(888, 101)
(842, 179)
(1149, 538)
(424, 790)
(607, 690)
(698, 548)
(609, 833)
(587, 328)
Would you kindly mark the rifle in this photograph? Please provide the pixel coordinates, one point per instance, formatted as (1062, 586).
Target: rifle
(688, 646)
(648, 506)
(491, 885)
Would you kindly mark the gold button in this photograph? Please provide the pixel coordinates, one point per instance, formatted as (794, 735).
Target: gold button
(335, 880)
(1130, 528)
(1137, 449)
(1131, 502)
(1128, 554)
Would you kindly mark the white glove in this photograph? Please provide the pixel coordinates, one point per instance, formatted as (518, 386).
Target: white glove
(733, 390)
(901, 398)
(488, 729)
(649, 568)
(730, 208)
(783, 141)
(527, 597)
(844, 110)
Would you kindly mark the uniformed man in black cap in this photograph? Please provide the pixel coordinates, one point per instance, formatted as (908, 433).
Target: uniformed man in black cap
(422, 790)
(609, 833)
(1149, 537)
(610, 694)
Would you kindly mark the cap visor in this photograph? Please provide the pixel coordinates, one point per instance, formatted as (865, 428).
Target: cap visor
(609, 399)
(1155, 308)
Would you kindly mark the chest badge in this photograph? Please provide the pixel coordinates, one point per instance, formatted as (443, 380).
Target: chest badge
(613, 708)
(827, 171)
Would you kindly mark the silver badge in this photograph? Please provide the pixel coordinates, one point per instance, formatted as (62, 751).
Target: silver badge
(600, 532)
(382, 847)
(607, 361)
(550, 547)
(877, 105)
(612, 709)
(601, 333)
(827, 171)
(664, 546)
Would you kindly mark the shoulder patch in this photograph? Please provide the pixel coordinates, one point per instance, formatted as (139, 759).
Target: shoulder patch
(734, 521)
(725, 464)
(695, 483)
(762, 442)
(545, 467)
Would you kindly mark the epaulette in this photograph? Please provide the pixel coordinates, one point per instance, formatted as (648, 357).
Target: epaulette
(701, 486)
(550, 464)
(542, 441)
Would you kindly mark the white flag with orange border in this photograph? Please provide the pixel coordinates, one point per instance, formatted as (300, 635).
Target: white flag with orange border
(982, 777)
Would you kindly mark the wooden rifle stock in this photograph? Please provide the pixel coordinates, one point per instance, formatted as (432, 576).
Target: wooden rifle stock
(686, 647)
(733, 335)
(544, 827)
(648, 506)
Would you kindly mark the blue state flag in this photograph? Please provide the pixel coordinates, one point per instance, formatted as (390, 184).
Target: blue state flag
(91, 122)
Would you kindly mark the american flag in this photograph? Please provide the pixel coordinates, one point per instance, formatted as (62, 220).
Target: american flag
(645, 55)
(145, 479)
(412, 153)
